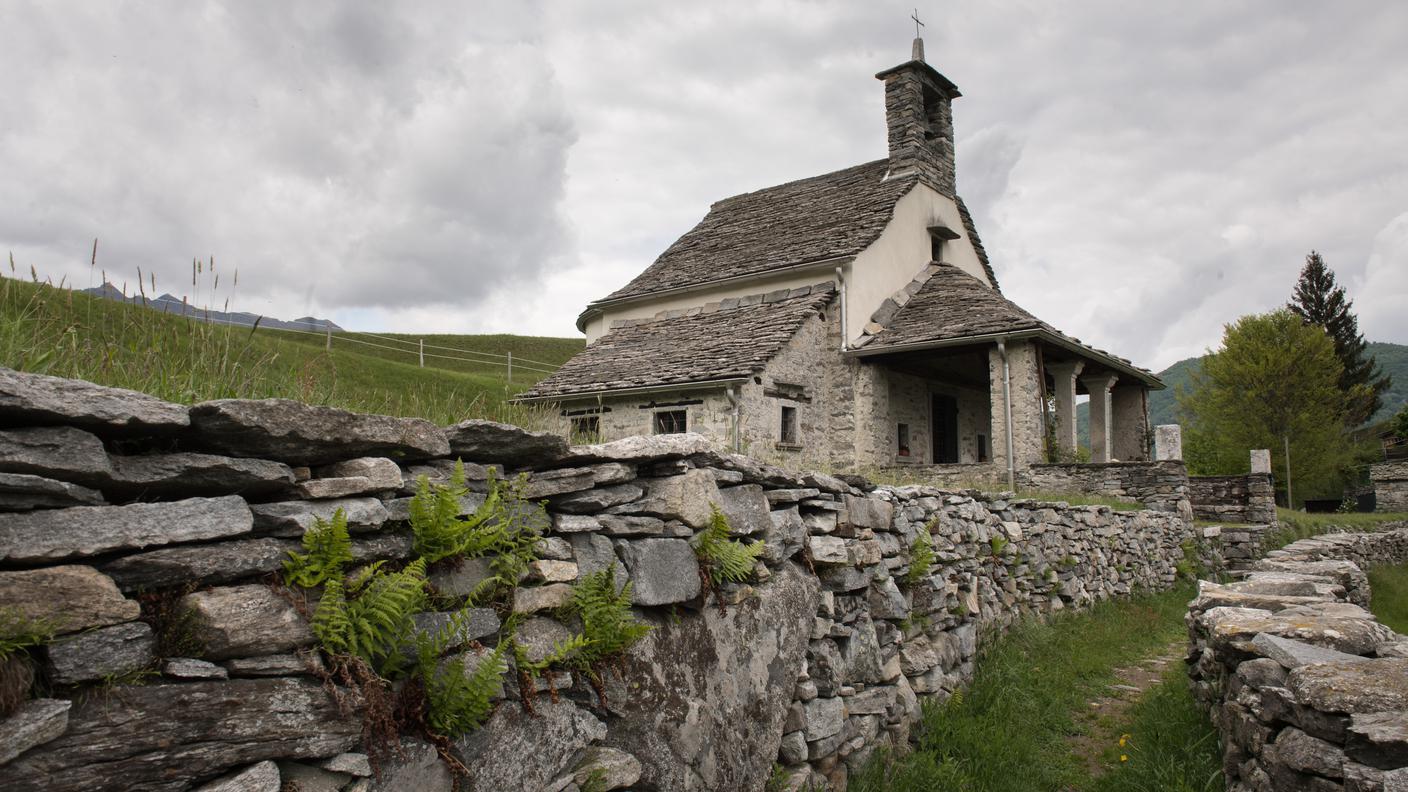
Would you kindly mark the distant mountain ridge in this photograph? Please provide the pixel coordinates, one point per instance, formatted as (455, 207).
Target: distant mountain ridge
(1163, 405)
(169, 303)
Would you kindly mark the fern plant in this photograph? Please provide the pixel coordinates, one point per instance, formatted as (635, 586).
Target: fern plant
(608, 626)
(725, 558)
(498, 528)
(371, 616)
(327, 547)
(921, 557)
(458, 701)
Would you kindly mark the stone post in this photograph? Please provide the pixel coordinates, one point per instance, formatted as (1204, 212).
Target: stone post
(1027, 440)
(1261, 460)
(1129, 420)
(1099, 385)
(1168, 442)
(1065, 375)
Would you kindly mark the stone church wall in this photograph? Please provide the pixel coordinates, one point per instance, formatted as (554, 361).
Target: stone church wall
(1307, 689)
(129, 523)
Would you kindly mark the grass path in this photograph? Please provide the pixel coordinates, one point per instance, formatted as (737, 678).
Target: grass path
(1023, 725)
(1104, 724)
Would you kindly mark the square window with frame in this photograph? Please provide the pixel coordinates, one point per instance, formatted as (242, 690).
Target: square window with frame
(787, 431)
(671, 422)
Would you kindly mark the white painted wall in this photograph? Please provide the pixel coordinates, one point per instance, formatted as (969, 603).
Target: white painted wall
(901, 251)
(892, 261)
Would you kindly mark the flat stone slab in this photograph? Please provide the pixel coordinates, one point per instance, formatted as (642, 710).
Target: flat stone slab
(663, 571)
(594, 500)
(643, 448)
(275, 665)
(190, 668)
(36, 722)
(508, 445)
(186, 474)
(1294, 654)
(305, 434)
(58, 452)
(242, 621)
(294, 518)
(1377, 685)
(27, 398)
(56, 534)
(478, 623)
(22, 492)
(71, 598)
(1334, 630)
(227, 562)
(171, 733)
(104, 652)
(1379, 739)
(261, 777)
(515, 750)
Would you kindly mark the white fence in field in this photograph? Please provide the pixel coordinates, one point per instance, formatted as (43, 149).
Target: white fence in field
(418, 350)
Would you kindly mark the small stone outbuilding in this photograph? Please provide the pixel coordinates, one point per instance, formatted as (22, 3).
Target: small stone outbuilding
(851, 320)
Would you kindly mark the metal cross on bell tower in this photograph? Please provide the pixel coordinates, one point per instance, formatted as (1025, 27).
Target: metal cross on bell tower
(917, 52)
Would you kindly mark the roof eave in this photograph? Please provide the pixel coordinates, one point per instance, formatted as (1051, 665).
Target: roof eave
(579, 396)
(1153, 382)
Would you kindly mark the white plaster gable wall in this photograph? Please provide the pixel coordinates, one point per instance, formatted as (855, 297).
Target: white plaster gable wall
(901, 251)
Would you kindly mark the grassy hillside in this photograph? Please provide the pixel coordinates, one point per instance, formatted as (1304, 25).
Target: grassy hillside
(59, 332)
(1163, 405)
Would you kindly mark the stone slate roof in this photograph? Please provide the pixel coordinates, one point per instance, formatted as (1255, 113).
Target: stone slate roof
(948, 303)
(945, 303)
(729, 339)
(827, 216)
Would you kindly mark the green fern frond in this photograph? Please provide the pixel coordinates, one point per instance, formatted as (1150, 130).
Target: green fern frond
(327, 547)
(921, 557)
(330, 621)
(608, 625)
(460, 701)
(727, 559)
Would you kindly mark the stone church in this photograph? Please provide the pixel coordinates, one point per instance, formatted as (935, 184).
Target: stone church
(850, 320)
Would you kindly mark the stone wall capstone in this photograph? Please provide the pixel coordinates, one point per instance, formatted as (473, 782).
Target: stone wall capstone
(1307, 689)
(121, 528)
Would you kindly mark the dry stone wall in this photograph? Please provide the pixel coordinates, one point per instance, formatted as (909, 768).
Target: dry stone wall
(1390, 486)
(151, 536)
(1240, 499)
(1307, 689)
(1161, 486)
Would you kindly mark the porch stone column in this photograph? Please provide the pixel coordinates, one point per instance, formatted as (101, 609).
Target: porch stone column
(1099, 386)
(1065, 375)
(1027, 438)
(1129, 421)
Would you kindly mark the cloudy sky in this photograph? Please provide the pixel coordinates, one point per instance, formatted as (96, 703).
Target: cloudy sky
(1141, 173)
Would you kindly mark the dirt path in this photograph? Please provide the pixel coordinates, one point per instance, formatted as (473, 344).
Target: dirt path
(1105, 715)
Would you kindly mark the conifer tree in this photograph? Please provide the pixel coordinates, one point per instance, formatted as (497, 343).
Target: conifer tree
(1319, 300)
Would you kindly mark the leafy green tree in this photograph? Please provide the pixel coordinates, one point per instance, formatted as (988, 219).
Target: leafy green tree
(1399, 424)
(1319, 300)
(1274, 377)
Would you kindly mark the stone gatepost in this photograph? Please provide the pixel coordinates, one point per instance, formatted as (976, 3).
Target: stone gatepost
(1065, 375)
(1261, 460)
(1168, 442)
(1101, 430)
